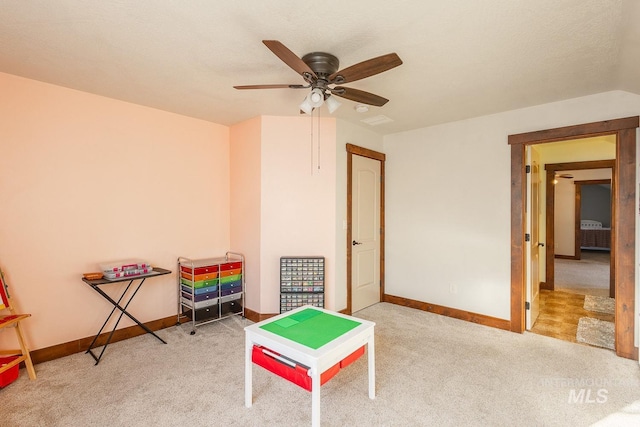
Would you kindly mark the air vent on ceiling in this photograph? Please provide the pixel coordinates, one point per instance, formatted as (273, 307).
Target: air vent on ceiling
(376, 120)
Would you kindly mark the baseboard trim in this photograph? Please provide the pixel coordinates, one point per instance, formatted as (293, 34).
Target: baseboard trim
(468, 316)
(544, 285)
(82, 344)
(254, 316)
(574, 257)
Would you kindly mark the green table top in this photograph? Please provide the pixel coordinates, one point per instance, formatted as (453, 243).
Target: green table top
(311, 328)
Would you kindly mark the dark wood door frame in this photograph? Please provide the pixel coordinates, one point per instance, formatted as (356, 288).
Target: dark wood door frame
(623, 239)
(552, 169)
(364, 152)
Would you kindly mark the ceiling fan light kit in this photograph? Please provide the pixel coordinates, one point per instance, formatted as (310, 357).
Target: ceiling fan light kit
(314, 99)
(320, 72)
(332, 104)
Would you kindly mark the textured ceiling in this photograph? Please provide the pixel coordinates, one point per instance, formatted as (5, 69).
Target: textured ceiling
(461, 58)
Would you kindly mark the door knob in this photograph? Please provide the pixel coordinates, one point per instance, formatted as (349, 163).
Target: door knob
(356, 243)
(540, 244)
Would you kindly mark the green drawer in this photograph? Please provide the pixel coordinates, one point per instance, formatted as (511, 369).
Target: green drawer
(231, 278)
(200, 284)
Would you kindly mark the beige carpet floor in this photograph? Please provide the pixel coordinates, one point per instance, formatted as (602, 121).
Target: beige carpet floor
(431, 371)
(586, 276)
(596, 332)
(599, 304)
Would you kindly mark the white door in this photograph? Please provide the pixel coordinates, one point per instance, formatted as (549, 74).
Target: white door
(365, 232)
(534, 244)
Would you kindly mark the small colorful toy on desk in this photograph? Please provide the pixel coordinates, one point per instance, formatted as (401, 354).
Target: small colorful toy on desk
(126, 268)
(92, 276)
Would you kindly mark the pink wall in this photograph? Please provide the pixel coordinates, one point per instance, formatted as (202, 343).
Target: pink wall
(86, 179)
(245, 199)
(298, 199)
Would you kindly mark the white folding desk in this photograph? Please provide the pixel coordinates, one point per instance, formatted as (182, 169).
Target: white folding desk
(318, 360)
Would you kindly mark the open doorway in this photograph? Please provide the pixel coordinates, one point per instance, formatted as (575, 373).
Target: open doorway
(625, 211)
(562, 208)
(574, 303)
(588, 271)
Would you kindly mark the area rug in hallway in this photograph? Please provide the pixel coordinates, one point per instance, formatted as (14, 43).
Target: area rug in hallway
(599, 333)
(599, 304)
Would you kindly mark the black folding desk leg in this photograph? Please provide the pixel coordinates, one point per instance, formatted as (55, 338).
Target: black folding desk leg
(115, 306)
(123, 310)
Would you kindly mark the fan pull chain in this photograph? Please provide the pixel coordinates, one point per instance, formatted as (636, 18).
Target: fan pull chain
(315, 121)
(318, 120)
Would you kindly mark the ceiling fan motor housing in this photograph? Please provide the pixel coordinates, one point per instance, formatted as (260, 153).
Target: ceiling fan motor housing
(323, 64)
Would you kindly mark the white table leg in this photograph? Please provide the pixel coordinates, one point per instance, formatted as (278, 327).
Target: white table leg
(248, 372)
(315, 398)
(371, 358)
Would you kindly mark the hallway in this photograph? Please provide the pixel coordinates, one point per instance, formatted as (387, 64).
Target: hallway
(561, 309)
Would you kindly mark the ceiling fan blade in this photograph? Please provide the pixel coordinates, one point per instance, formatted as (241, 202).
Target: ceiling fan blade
(359, 96)
(271, 87)
(367, 68)
(289, 58)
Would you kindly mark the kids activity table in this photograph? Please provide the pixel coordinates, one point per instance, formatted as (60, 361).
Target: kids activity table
(314, 338)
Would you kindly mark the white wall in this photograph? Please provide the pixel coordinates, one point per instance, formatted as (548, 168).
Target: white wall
(448, 202)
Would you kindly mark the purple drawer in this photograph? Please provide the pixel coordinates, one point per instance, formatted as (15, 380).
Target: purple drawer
(225, 292)
(201, 297)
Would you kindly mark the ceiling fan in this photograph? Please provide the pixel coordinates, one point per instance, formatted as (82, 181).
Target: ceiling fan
(564, 175)
(557, 175)
(320, 72)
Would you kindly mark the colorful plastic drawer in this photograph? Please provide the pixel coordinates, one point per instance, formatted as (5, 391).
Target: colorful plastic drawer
(229, 279)
(289, 369)
(205, 313)
(199, 291)
(201, 297)
(201, 284)
(225, 292)
(231, 285)
(230, 307)
(227, 273)
(231, 297)
(230, 266)
(199, 277)
(199, 270)
(198, 305)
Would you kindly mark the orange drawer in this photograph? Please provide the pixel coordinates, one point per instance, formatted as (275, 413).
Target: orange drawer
(198, 277)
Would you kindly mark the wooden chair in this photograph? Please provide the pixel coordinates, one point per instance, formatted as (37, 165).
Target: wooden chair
(9, 318)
